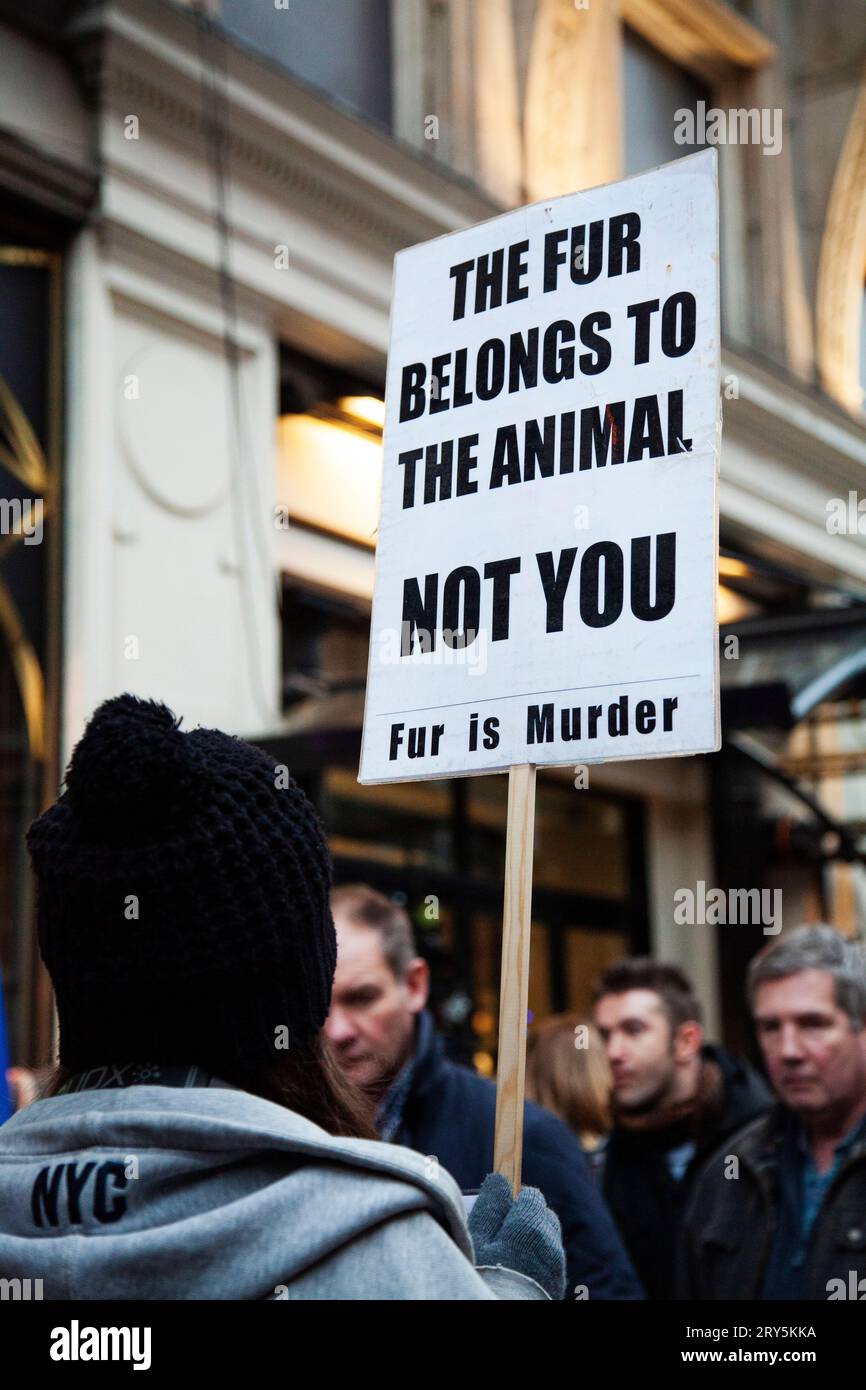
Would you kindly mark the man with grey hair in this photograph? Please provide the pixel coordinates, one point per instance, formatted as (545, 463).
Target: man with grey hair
(779, 1212)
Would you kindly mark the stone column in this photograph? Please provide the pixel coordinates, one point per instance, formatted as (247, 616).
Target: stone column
(573, 121)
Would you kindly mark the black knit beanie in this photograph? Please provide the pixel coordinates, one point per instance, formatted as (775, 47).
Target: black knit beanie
(183, 897)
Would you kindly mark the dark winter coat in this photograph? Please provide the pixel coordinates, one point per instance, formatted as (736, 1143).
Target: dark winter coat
(646, 1200)
(448, 1111)
(731, 1219)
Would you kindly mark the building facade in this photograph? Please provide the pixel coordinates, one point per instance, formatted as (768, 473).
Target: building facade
(201, 206)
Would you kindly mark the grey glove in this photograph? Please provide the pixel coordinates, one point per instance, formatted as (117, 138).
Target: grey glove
(519, 1233)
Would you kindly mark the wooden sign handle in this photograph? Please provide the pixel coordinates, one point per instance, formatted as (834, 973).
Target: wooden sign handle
(514, 981)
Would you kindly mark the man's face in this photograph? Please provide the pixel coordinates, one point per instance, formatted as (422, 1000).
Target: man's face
(371, 1022)
(637, 1037)
(815, 1058)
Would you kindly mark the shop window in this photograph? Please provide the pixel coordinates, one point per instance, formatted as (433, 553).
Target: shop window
(329, 451)
(439, 846)
(325, 643)
(587, 955)
(579, 844)
(407, 825)
(30, 370)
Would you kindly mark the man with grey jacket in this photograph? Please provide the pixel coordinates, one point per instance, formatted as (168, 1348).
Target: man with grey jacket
(197, 1133)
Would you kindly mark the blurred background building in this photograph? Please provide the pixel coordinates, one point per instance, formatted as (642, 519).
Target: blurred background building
(200, 207)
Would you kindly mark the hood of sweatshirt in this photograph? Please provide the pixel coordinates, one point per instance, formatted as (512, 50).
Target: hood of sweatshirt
(154, 1192)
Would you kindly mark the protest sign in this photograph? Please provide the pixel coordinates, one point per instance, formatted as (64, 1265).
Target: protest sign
(546, 559)
(546, 562)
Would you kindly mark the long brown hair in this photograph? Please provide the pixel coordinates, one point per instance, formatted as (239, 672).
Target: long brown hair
(305, 1079)
(568, 1073)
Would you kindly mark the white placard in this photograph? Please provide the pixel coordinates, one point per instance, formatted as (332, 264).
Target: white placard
(547, 551)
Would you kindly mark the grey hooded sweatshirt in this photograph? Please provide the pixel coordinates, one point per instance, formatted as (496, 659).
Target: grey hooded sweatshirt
(152, 1192)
